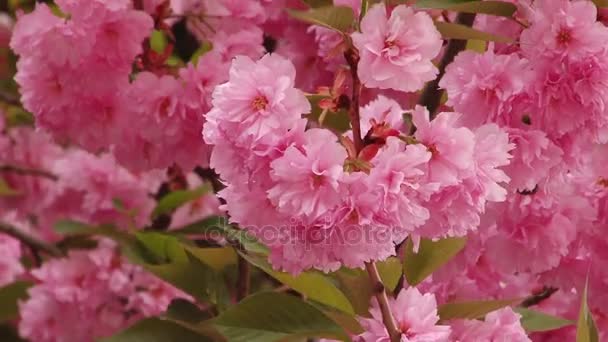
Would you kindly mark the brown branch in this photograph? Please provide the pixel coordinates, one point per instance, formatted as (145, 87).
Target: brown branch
(537, 298)
(352, 58)
(244, 279)
(25, 171)
(382, 298)
(33, 243)
(431, 96)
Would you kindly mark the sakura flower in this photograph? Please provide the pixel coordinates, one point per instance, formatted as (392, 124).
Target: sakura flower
(501, 325)
(563, 27)
(382, 110)
(451, 146)
(258, 100)
(96, 288)
(415, 315)
(486, 87)
(397, 51)
(10, 265)
(308, 177)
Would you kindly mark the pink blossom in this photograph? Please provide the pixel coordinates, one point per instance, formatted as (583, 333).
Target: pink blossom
(10, 264)
(563, 27)
(533, 158)
(501, 325)
(486, 87)
(416, 317)
(451, 146)
(308, 177)
(397, 52)
(382, 109)
(259, 100)
(97, 289)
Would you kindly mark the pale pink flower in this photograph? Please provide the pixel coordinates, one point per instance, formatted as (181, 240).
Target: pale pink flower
(308, 177)
(415, 315)
(258, 100)
(563, 27)
(451, 146)
(499, 326)
(486, 87)
(397, 51)
(98, 289)
(382, 109)
(10, 264)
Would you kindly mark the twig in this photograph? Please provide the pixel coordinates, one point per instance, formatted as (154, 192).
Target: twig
(537, 298)
(244, 279)
(382, 298)
(352, 58)
(33, 243)
(26, 171)
(431, 96)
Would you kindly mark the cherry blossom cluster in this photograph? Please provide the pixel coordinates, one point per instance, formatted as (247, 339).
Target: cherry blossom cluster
(514, 159)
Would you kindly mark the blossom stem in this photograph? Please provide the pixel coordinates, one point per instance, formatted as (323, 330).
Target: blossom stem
(352, 58)
(539, 297)
(382, 298)
(431, 96)
(25, 171)
(33, 243)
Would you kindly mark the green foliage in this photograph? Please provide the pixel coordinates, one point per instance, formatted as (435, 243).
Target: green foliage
(337, 18)
(158, 41)
(338, 122)
(473, 309)
(586, 331)
(312, 284)
(157, 330)
(499, 8)
(430, 256)
(178, 198)
(390, 272)
(600, 3)
(9, 297)
(268, 316)
(535, 321)
(458, 31)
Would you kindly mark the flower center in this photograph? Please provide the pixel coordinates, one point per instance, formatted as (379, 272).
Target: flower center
(564, 36)
(259, 103)
(317, 180)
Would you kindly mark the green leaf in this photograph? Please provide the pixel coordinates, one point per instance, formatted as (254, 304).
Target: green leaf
(178, 198)
(536, 321)
(157, 330)
(9, 297)
(356, 286)
(364, 8)
(270, 316)
(194, 278)
(600, 3)
(312, 284)
(390, 272)
(162, 248)
(338, 18)
(458, 31)
(473, 309)
(430, 256)
(217, 257)
(499, 8)
(586, 331)
(6, 190)
(158, 41)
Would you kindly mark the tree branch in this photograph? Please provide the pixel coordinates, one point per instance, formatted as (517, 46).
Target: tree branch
(382, 298)
(9, 98)
(431, 96)
(537, 298)
(33, 243)
(352, 58)
(25, 171)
